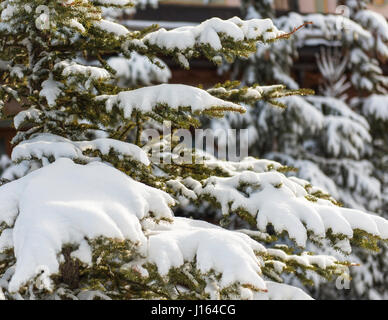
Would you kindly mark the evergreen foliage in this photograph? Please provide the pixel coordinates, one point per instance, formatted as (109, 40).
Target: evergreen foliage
(90, 217)
(334, 140)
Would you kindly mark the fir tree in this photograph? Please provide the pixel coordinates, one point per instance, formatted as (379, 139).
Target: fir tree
(90, 215)
(333, 141)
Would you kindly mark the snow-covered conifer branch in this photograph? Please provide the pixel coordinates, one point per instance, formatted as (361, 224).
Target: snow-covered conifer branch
(118, 220)
(213, 39)
(147, 100)
(43, 149)
(234, 92)
(304, 212)
(90, 204)
(292, 210)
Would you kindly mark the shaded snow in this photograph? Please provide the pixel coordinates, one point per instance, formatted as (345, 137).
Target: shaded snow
(139, 70)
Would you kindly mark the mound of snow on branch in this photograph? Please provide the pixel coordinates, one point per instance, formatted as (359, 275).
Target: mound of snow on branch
(46, 145)
(232, 254)
(64, 203)
(174, 95)
(209, 31)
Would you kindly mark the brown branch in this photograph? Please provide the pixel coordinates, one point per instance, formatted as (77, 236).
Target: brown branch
(287, 35)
